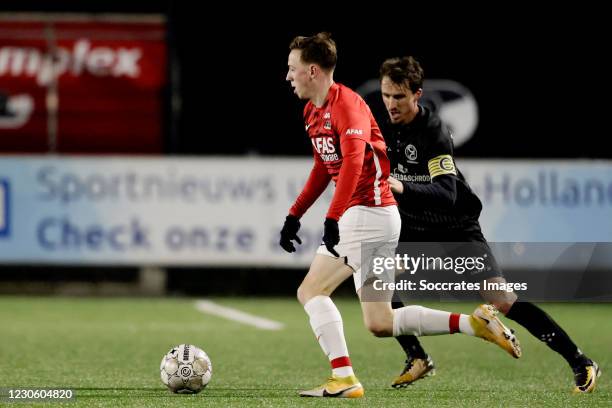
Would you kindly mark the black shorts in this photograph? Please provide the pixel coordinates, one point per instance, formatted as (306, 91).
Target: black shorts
(458, 245)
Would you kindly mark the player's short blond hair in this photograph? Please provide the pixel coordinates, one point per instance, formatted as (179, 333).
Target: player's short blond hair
(318, 49)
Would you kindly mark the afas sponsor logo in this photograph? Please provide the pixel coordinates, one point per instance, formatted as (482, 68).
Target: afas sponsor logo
(326, 149)
(81, 58)
(354, 131)
(324, 144)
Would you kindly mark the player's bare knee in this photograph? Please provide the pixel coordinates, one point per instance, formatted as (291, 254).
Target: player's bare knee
(310, 289)
(379, 329)
(379, 322)
(304, 294)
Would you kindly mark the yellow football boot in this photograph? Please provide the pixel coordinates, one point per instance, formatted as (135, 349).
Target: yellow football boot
(337, 387)
(487, 326)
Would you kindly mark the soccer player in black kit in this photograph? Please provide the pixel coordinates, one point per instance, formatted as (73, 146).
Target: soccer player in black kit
(437, 205)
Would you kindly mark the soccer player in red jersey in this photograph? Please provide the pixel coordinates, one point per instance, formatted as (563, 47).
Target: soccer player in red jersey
(349, 149)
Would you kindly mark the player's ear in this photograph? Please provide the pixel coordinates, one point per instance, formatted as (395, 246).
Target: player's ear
(313, 70)
(418, 94)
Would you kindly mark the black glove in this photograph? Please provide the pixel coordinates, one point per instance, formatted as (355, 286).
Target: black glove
(331, 235)
(289, 232)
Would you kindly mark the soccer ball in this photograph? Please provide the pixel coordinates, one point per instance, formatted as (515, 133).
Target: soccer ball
(186, 369)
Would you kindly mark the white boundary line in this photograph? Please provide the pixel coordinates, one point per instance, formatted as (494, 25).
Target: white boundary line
(206, 306)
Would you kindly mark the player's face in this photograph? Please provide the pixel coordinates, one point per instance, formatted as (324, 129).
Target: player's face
(400, 101)
(298, 74)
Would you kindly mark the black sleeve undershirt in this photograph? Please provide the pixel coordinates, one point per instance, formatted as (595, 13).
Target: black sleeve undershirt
(440, 193)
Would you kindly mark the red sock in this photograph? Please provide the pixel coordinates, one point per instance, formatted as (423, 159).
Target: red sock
(453, 322)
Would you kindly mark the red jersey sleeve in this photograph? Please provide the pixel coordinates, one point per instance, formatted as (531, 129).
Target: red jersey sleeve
(315, 185)
(353, 123)
(353, 127)
(353, 152)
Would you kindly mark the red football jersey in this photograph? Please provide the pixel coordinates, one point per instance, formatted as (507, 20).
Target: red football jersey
(335, 130)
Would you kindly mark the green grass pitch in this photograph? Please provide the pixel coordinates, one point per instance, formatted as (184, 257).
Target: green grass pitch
(108, 351)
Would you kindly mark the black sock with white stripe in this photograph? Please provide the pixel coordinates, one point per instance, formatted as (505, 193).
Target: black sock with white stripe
(542, 326)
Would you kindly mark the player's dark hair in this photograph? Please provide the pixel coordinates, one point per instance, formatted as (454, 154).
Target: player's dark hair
(318, 49)
(402, 70)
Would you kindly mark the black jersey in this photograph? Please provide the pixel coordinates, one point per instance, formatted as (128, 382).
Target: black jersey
(436, 196)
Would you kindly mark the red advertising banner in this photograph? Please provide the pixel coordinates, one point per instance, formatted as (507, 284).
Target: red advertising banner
(82, 84)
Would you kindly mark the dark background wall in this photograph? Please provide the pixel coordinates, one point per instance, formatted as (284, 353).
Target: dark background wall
(540, 78)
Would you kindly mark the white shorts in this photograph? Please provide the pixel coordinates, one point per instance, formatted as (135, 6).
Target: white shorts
(379, 227)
